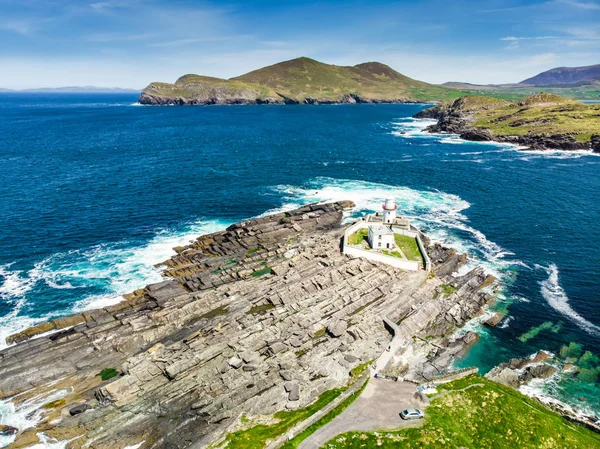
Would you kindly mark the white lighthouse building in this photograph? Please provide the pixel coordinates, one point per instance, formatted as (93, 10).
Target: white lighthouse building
(389, 211)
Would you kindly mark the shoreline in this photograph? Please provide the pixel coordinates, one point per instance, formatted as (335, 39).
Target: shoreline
(461, 123)
(149, 314)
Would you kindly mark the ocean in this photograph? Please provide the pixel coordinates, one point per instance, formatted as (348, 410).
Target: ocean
(95, 190)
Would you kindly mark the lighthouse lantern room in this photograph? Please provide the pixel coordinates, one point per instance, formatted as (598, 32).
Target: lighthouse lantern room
(389, 211)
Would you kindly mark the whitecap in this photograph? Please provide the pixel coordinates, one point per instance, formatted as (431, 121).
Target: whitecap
(13, 284)
(440, 214)
(26, 414)
(115, 269)
(557, 298)
(505, 322)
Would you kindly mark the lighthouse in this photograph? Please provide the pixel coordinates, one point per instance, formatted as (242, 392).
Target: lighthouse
(389, 211)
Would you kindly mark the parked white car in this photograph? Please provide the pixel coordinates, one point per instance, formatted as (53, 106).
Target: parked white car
(412, 413)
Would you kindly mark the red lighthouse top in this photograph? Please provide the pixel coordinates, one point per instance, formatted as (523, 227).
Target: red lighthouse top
(390, 204)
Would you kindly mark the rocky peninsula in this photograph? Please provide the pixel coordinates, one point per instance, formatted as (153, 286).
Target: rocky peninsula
(538, 122)
(264, 316)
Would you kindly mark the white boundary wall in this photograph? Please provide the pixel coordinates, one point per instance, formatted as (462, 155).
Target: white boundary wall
(408, 265)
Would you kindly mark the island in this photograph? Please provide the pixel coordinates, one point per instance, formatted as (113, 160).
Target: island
(299, 81)
(539, 122)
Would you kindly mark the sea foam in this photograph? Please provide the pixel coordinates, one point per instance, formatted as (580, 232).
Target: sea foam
(557, 298)
(112, 269)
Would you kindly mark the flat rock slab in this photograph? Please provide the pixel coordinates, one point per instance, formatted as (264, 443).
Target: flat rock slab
(377, 408)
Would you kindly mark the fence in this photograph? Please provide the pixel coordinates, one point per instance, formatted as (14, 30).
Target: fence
(403, 264)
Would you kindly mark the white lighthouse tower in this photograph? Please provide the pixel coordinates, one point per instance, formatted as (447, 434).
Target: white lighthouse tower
(389, 211)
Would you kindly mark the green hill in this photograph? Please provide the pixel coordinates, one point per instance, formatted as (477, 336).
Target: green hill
(476, 413)
(541, 121)
(301, 80)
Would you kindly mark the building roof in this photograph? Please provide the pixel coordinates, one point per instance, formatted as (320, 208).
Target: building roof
(381, 230)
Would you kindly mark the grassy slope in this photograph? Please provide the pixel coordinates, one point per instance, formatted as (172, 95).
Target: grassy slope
(584, 91)
(490, 416)
(540, 114)
(303, 78)
(257, 436)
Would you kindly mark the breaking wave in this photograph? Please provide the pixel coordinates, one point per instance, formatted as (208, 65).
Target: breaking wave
(27, 414)
(556, 297)
(440, 214)
(102, 274)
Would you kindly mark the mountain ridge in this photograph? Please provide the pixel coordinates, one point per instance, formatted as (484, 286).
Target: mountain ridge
(300, 80)
(565, 75)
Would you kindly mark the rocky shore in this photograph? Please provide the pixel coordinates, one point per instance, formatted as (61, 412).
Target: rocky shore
(517, 373)
(262, 317)
(462, 118)
(150, 96)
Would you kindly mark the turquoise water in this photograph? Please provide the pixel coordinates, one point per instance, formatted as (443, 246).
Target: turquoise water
(96, 190)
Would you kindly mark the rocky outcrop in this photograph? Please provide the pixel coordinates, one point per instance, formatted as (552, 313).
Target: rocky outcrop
(460, 117)
(8, 430)
(150, 97)
(261, 317)
(519, 372)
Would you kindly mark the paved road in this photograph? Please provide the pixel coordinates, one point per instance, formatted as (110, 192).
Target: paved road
(377, 408)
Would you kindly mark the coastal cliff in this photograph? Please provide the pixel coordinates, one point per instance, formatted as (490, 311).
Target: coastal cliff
(539, 122)
(298, 81)
(265, 316)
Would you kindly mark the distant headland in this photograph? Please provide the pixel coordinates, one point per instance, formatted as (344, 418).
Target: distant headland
(539, 122)
(299, 81)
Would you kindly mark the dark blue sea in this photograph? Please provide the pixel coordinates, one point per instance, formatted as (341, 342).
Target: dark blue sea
(95, 190)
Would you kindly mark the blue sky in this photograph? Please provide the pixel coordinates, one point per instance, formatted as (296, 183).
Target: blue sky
(130, 43)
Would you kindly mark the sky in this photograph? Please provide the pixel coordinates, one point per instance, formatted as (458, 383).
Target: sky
(130, 43)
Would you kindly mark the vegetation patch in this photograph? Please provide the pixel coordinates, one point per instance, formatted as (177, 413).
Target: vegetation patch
(320, 333)
(295, 442)
(489, 415)
(262, 272)
(392, 253)
(409, 247)
(107, 373)
(259, 310)
(256, 437)
(447, 289)
(221, 310)
(252, 251)
(360, 236)
(55, 404)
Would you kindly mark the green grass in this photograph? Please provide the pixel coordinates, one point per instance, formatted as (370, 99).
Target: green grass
(447, 289)
(358, 237)
(409, 247)
(252, 251)
(259, 310)
(261, 272)
(392, 253)
(221, 310)
(488, 417)
(295, 442)
(256, 437)
(537, 115)
(107, 373)
(357, 371)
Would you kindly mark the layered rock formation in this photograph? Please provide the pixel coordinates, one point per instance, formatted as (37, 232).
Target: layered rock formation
(258, 318)
(539, 122)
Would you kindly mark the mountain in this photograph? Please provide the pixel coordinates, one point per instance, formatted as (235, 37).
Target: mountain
(76, 89)
(565, 75)
(301, 80)
(541, 121)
